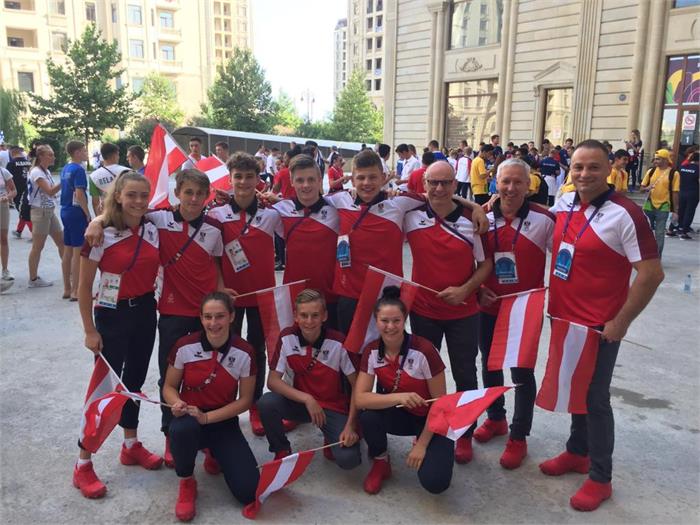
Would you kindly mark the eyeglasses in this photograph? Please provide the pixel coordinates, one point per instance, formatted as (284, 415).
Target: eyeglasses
(435, 183)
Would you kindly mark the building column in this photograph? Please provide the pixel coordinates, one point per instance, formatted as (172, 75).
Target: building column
(505, 78)
(648, 123)
(586, 69)
(437, 60)
(638, 67)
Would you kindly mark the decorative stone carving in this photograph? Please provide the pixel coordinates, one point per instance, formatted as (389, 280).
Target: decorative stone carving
(469, 65)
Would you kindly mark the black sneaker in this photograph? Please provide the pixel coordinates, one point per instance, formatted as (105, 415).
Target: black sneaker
(685, 237)
(279, 267)
(670, 233)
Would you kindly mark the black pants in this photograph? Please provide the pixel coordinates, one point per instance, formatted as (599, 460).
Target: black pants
(482, 198)
(435, 473)
(524, 394)
(635, 177)
(21, 201)
(687, 203)
(256, 338)
(170, 329)
(128, 334)
(463, 189)
(226, 443)
(346, 310)
(462, 347)
(280, 254)
(593, 434)
(274, 407)
(550, 200)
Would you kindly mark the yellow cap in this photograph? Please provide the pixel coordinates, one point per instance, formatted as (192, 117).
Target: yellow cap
(663, 154)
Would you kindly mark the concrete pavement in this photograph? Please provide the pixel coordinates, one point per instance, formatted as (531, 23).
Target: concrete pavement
(44, 370)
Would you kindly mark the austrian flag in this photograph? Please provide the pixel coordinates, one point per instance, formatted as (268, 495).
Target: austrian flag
(363, 330)
(277, 311)
(164, 158)
(516, 335)
(573, 350)
(453, 414)
(275, 475)
(217, 172)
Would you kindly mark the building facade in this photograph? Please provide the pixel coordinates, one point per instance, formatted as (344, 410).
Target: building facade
(183, 40)
(340, 56)
(536, 69)
(366, 46)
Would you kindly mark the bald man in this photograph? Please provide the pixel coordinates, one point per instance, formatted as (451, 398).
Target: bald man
(449, 257)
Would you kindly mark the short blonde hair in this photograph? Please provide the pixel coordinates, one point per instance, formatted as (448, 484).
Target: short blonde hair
(309, 295)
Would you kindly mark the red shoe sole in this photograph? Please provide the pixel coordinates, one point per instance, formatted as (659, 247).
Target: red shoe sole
(96, 495)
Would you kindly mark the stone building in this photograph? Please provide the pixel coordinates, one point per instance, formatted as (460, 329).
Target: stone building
(365, 45)
(183, 40)
(536, 69)
(340, 56)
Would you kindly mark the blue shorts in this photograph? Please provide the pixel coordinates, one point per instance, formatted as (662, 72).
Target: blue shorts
(74, 225)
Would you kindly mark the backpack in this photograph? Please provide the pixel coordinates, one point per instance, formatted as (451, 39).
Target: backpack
(671, 174)
(542, 195)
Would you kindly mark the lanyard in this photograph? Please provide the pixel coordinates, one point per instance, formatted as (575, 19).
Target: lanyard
(446, 225)
(307, 214)
(181, 251)
(314, 358)
(212, 372)
(138, 248)
(247, 224)
(403, 354)
(515, 239)
(585, 226)
(364, 213)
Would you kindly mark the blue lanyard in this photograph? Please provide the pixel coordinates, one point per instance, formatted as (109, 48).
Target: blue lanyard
(585, 226)
(517, 232)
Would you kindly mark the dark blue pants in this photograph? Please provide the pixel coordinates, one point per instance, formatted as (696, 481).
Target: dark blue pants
(226, 443)
(593, 434)
(435, 474)
(524, 394)
(256, 338)
(128, 334)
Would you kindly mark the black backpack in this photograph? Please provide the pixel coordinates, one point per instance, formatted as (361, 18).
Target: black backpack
(542, 195)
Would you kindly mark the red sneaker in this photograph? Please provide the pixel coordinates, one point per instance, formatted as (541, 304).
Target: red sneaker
(566, 462)
(168, 457)
(491, 429)
(328, 452)
(513, 455)
(282, 454)
(591, 495)
(381, 470)
(85, 479)
(289, 425)
(139, 455)
(185, 508)
(255, 422)
(463, 450)
(210, 464)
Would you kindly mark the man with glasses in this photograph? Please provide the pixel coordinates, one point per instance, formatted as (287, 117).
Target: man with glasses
(448, 257)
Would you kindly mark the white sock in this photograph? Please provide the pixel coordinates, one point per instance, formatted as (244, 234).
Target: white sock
(382, 457)
(82, 462)
(130, 442)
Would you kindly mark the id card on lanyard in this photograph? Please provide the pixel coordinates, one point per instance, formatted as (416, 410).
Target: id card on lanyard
(342, 248)
(108, 294)
(565, 254)
(235, 252)
(504, 264)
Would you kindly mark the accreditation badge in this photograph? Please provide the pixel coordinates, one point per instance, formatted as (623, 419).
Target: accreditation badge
(342, 251)
(505, 268)
(562, 264)
(108, 294)
(236, 255)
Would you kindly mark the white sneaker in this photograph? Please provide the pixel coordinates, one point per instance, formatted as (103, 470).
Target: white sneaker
(7, 276)
(39, 283)
(5, 285)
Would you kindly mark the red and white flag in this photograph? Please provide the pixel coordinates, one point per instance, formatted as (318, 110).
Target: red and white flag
(164, 158)
(453, 414)
(573, 350)
(103, 405)
(516, 335)
(275, 475)
(277, 311)
(363, 329)
(217, 172)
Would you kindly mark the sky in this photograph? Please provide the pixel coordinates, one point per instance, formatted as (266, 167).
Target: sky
(293, 42)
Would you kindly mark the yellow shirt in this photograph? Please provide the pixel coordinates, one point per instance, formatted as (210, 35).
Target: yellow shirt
(567, 186)
(658, 182)
(618, 178)
(535, 183)
(479, 176)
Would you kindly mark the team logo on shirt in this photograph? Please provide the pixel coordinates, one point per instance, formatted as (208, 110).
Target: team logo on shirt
(171, 225)
(229, 215)
(325, 354)
(150, 235)
(118, 234)
(422, 223)
(526, 225)
(598, 217)
(380, 207)
(202, 236)
(231, 360)
(258, 218)
(198, 353)
(324, 214)
(410, 363)
(296, 349)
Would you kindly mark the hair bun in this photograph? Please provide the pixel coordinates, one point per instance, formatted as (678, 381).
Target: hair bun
(391, 292)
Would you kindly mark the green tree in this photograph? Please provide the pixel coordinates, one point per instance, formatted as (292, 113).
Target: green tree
(142, 131)
(241, 98)
(355, 118)
(84, 103)
(320, 129)
(12, 105)
(287, 118)
(158, 99)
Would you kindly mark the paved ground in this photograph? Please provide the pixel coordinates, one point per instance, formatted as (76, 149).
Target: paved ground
(44, 369)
